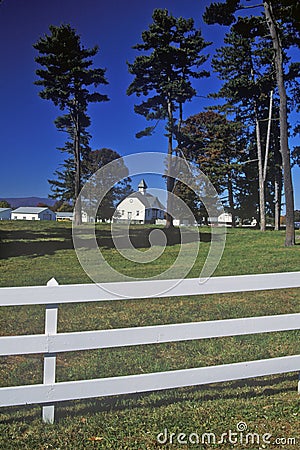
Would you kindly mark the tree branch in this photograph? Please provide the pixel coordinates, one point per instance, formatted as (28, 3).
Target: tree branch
(250, 6)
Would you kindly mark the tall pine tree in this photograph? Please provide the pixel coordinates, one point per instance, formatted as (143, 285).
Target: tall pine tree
(66, 77)
(245, 66)
(171, 58)
(282, 19)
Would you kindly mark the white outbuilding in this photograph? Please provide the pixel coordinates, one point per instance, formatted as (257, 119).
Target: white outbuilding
(63, 215)
(69, 216)
(5, 213)
(33, 213)
(139, 207)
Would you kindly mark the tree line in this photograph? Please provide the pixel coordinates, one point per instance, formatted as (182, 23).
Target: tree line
(240, 144)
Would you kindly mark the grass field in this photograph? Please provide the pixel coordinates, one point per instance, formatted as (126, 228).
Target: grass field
(32, 253)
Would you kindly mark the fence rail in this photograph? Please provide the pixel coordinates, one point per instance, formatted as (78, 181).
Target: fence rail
(52, 342)
(75, 293)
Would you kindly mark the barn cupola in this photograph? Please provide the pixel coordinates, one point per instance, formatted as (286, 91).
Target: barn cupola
(142, 187)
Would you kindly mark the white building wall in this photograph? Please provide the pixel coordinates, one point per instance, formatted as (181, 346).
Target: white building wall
(5, 215)
(131, 209)
(44, 215)
(24, 216)
(225, 217)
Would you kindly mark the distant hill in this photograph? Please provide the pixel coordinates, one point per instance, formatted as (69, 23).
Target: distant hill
(28, 201)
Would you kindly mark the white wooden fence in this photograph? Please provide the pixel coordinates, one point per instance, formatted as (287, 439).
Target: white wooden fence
(52, 342)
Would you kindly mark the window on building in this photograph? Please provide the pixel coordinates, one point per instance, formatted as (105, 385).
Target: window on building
(32, 218)
(137, 213)
(123, 212)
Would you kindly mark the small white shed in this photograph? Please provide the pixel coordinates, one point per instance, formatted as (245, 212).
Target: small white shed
(33, 213)
(5, 213)
(61, 215)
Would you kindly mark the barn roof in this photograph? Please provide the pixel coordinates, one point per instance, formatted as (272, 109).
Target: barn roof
(5, 209)
(64, 214)
(29, 210)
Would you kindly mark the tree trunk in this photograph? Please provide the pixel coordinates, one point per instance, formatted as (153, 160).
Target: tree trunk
(170, 180)
(230, 199)
(284, 148)
(277, 188)
(277, 199)
(268, 137)
(78, 210)
(261, 184)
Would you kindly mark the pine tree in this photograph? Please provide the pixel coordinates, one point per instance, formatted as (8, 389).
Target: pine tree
(245, 66)
(171, 58)
(282, 20)
(63, 187)
(66, 76)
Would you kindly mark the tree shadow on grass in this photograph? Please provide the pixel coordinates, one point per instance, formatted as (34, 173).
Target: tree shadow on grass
(210, 392)
(15, 243)
(48, 241)
(141, 238)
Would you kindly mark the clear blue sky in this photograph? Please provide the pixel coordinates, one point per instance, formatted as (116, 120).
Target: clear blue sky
(28, 135)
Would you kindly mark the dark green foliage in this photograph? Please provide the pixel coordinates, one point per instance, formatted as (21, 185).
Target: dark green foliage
(68, 72)
(62, 206)
(63, 186)
(222, 13)
(4, 204)
(96, 160)
(245, 64)
(286, 13)
(282, 20)
(296, 155)
(171, 58)
(67, 77)
(216, 146)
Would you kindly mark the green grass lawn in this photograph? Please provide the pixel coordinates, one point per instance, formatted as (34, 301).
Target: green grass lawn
(32, 253)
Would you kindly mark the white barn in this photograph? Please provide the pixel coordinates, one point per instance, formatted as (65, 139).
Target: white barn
(139, 207)
(33, 213)
(5, 213)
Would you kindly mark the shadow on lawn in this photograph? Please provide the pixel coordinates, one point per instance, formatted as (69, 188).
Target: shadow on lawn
(213, 392)
(16, 243)
(43, 242)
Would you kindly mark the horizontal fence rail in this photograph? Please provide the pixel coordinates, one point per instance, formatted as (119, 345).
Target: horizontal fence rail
(52, 342)
(75, 293)
(123, 337)
(70, 390)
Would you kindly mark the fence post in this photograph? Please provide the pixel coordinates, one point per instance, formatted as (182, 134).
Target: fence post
(51, 314)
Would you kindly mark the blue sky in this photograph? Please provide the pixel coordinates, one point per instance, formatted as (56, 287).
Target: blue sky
(28, 135)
